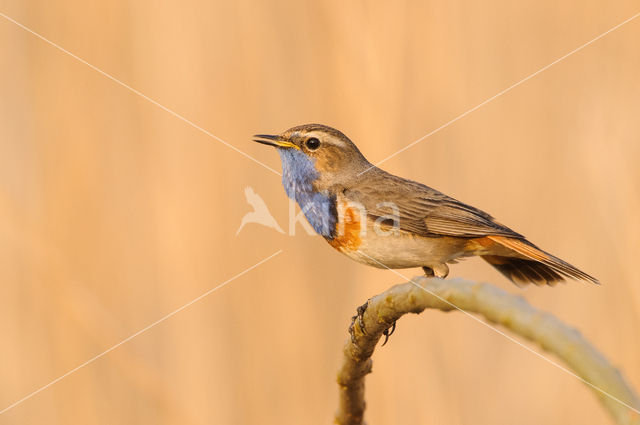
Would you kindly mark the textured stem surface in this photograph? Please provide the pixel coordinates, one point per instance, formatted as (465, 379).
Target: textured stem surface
(496, 306)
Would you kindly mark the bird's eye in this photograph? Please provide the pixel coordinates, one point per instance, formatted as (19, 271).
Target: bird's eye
(312, 143)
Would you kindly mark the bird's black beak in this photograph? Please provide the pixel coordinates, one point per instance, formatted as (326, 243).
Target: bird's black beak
(268, 139)
(271, 140)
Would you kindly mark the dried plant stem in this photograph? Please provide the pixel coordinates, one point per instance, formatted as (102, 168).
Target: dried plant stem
(496, 306)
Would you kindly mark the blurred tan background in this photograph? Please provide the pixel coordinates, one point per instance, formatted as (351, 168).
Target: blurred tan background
(114, 213)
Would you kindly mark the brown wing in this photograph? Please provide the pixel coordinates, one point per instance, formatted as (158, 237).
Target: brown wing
(422, 210)
(426, 212)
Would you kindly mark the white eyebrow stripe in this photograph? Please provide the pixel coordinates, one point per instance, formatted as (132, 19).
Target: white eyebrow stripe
(336, 142)
(327, 138)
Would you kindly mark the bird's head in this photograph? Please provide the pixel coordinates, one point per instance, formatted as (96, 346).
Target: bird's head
(316, 155)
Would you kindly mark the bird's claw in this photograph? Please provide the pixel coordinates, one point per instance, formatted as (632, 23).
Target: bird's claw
(388, 332)
(359, 318)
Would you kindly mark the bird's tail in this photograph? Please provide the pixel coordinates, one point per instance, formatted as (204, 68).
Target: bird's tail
(532, 265)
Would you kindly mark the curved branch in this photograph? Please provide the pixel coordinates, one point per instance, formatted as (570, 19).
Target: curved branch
(496, 306)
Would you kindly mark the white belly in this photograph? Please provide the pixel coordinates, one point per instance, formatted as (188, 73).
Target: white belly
(403, 251)
(382, 246)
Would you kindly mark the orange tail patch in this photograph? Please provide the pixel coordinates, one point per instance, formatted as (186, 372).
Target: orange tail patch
(531, 264)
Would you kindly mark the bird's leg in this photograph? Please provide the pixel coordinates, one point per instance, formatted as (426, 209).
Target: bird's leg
(440, 270)
(428, 271)
(387, 333)
(359, 317)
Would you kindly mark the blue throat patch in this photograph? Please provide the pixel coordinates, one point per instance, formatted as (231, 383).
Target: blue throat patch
(298, 175)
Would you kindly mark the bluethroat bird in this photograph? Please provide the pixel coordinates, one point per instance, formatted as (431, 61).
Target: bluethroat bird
(386, 221)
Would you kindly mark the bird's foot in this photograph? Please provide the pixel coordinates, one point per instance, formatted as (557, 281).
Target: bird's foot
(360, 319)
(440, 270)
(428, 271)
(388, 332)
